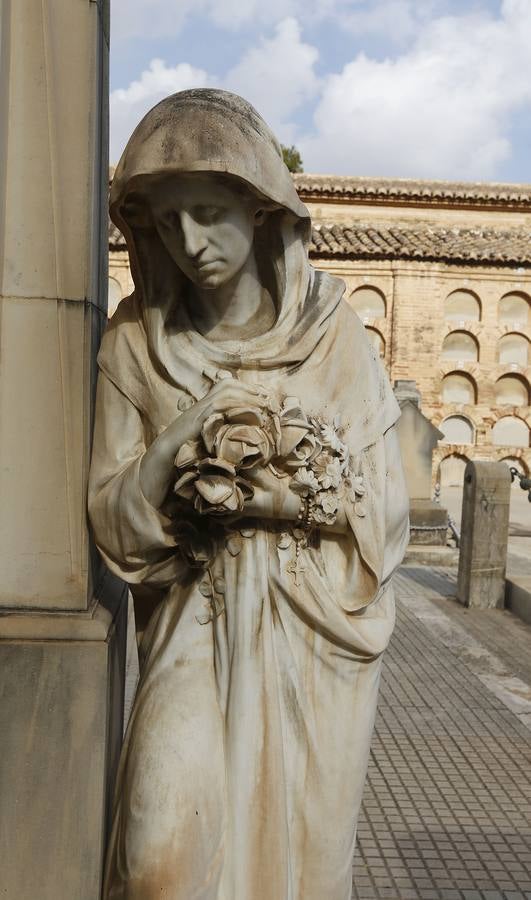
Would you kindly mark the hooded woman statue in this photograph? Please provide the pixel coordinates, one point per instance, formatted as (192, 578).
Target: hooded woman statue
(246, 479)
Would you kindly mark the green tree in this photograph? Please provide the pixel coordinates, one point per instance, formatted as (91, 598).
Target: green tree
(292, 158)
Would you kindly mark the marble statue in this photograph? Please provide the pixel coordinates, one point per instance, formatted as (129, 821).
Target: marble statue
(246, 471)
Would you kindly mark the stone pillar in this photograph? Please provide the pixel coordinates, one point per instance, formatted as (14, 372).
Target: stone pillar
(61, 615)
(484, 534)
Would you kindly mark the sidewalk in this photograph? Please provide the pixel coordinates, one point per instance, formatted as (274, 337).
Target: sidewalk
(447, 805)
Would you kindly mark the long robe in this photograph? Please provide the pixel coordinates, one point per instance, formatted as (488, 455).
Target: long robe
(243, 765)
(245, 756)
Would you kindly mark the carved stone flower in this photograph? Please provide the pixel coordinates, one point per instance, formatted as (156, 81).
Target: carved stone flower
(329, 471)
(357, 494)
(304, 482)
(298, 441)
(242, 437)
(325, 509)
(189, 454)
(213, 487)
(358, 485)
(328, 502)
(303, 452)
(329, 437)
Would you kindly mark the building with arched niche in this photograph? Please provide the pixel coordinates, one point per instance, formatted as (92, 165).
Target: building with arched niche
(440, 275)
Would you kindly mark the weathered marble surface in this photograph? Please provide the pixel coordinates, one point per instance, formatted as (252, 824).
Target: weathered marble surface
(60, 725)
(484, 534)
(245, 756)
(53, 128)
(417, 438)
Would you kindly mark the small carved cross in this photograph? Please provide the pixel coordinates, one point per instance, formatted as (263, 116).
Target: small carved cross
(296, 568)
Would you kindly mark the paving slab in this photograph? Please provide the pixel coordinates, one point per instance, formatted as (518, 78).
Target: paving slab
(447, 806)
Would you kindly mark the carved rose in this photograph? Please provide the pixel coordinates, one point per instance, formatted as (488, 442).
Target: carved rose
(242, 437)
(189, 454)
(298, 442)
(307, 448)
(304, 451)
(213, 487)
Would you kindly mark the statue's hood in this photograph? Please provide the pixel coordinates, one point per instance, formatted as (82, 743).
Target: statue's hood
(215, 132)
(203, 130)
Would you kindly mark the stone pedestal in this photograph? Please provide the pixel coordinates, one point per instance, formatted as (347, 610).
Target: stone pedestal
(62, 632)
(61, 706)
(428, 522)
(484, 534)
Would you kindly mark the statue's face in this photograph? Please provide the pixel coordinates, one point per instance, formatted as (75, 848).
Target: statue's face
(207, 228)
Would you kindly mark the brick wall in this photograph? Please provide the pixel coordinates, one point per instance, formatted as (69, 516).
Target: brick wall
(414, 329)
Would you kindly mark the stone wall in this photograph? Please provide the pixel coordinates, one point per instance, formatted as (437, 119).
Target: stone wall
(413, 330)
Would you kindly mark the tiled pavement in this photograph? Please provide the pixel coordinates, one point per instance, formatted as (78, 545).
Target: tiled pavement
(447, 806)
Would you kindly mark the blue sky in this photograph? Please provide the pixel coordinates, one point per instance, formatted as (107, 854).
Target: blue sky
(404, 88)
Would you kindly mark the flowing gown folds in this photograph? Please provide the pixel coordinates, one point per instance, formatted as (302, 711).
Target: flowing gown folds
(244, 761)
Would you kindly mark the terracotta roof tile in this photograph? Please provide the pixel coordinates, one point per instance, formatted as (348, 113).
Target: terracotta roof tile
(412, 191)
(472, 245)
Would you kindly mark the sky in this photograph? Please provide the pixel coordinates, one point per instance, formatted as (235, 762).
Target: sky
(399, 88)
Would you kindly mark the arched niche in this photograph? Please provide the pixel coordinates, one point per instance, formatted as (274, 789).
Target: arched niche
(460, 346)
(457, 430)
(376, 340)
(514, 310)
(114, 295)
(452, 471)
(510, 390)
(510, 431)
(462, 306)
(458, 387)
(513, 349)
(368, 302)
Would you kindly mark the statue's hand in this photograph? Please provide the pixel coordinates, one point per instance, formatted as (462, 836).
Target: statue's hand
(272, 498)
(157, 467)
(226, 394)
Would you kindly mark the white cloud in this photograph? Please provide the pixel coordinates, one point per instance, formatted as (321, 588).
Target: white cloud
(150, 18)
(233, 14)
(277, 76)
(392, 19)
(396, 20)
(128, 105)
(166, 18)
(442, 109)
